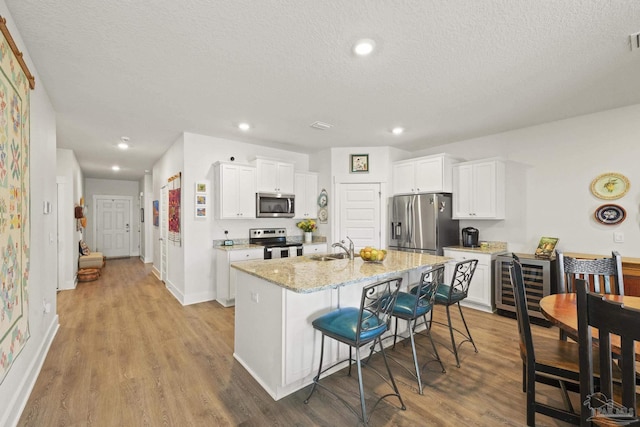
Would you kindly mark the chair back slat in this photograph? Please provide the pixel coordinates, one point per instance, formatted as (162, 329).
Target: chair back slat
(376, 305)
(604, 275)
(522, 314)
(427, 287)
(607, 317)
(462, 275)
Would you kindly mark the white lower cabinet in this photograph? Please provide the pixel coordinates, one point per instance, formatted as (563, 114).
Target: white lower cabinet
(480, 294)
(226, 277)
(314, 248)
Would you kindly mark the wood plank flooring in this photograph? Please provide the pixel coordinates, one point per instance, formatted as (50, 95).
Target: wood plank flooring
(128, 354)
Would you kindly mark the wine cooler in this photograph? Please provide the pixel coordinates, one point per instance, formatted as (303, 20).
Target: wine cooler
(540, 278)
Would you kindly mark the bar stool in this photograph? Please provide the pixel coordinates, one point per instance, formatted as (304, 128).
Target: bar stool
(415, 305)
(357, 327)
(452, 294)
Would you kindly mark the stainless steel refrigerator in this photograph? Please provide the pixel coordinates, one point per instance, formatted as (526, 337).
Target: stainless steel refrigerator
(422, 223)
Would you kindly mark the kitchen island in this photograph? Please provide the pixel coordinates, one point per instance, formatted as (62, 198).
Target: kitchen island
(276, 301)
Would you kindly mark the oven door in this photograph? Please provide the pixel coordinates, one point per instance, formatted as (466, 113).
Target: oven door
(282, 252)
(273, 205)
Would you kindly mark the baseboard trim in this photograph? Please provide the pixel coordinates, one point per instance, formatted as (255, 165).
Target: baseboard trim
(21, 395)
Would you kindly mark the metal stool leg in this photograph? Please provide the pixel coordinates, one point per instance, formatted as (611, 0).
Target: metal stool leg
(361, 387)
(317, 377)
(415, 356)
(467, 328)
(433, 344)
(453, 340)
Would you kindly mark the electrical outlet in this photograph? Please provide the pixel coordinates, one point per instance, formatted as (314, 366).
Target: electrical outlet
(618, 236)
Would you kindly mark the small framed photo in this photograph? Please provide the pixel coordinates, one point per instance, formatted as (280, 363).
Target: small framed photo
(201, 200)
(201, 187)
(546, 247)
(359, 163)
(201, 211)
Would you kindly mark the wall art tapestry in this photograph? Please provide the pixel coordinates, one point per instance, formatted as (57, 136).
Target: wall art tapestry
(156, 213)
(14, 200)
(174, 209)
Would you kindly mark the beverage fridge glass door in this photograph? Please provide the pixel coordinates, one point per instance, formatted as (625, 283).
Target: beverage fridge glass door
(423, 212)
(399, 207)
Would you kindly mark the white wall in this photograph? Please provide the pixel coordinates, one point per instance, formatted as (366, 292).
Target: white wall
(112, 187)
(549, 181)
(16, 386)
(69, 177)
(191, 266)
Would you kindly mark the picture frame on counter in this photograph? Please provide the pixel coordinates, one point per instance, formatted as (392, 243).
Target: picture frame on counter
(546, 248)
(359, 163)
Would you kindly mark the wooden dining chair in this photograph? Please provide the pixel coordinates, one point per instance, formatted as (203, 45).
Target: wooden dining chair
(608, 402)
(604, 275)
(549, 361)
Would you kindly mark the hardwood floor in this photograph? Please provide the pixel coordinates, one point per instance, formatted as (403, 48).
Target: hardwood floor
(128, 354)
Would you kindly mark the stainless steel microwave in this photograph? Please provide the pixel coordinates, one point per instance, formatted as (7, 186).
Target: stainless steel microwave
(275, 205)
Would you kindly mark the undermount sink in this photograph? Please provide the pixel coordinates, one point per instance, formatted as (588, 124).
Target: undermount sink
(328, 257)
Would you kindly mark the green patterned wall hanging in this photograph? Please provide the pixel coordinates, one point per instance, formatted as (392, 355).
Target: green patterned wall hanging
(14, 201)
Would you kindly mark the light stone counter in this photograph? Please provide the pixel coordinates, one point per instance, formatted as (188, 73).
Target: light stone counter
(239, 247)
(304, 275)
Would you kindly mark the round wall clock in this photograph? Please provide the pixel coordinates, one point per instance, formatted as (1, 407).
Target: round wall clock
(610, 186)
(610, 214)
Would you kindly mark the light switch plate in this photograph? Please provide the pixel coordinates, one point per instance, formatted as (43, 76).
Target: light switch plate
(618, 237)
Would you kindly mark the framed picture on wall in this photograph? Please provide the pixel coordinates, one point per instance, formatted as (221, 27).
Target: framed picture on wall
(156, 213)
(201, 187)
(359, 163)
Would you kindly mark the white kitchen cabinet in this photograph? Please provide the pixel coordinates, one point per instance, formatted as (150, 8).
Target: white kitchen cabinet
(427, 174)
(480, 294)
(235, 189)
(314, 248)
(274, 176)
(479, 190)
(306, 192)
(226, 276)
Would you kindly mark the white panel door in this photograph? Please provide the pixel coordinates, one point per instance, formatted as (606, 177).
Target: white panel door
(113, 227)
(360, 214)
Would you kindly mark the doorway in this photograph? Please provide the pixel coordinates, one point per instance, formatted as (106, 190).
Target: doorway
(360, 214)
(113, 226)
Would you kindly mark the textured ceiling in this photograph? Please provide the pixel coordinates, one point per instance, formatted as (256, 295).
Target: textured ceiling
(445, 70)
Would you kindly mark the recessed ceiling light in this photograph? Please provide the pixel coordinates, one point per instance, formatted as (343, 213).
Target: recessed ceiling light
(364, 47)
(115, 168)
(244, 126)
(123, 145)
(397, 131)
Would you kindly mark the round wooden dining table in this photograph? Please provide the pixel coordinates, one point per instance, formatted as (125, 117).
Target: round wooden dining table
(562, 310)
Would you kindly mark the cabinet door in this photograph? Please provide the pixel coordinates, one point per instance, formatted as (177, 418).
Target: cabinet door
(246, 192)
(306, 192)
(484, 190)
(463, 191)
(267, 175)
(403, 178)
(229, 181)
(240, 255)
(318, 248)
(480, 288)
(285, 178)
(428, 175)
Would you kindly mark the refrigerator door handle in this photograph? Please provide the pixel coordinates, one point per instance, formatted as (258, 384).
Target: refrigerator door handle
(410, 221)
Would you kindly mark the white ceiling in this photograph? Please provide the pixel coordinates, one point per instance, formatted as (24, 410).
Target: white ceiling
(445, 70)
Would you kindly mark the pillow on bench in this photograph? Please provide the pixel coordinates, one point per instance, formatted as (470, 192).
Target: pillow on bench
(84, 249)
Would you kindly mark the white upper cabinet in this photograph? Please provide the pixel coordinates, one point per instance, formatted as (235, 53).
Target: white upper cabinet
(479, 189)
(428, 174)
(306, 192)
(235, 188)
(274, 176)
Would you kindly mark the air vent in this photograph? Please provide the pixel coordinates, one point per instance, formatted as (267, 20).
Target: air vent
(321, 125)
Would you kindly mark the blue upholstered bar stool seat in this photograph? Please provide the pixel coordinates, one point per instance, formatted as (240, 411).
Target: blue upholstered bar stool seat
(452, 294)
(416, 305)
(357, 327)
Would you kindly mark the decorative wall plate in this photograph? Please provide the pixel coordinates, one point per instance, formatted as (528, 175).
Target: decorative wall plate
(323, 199)
(323, 215)
(610, 186)
(610, 214)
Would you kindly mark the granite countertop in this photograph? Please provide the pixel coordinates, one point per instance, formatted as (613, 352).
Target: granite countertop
(493, 248)
(239, 247)
(304, 275)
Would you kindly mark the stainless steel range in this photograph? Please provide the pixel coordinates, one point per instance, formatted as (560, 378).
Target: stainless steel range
(275, 243)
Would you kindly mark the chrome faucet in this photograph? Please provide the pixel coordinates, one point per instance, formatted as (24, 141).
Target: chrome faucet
(344, 248)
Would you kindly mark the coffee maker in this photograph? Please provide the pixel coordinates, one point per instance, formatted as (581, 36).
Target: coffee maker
(470, 237)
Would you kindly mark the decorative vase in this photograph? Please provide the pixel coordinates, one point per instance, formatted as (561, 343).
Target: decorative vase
(308, 236)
